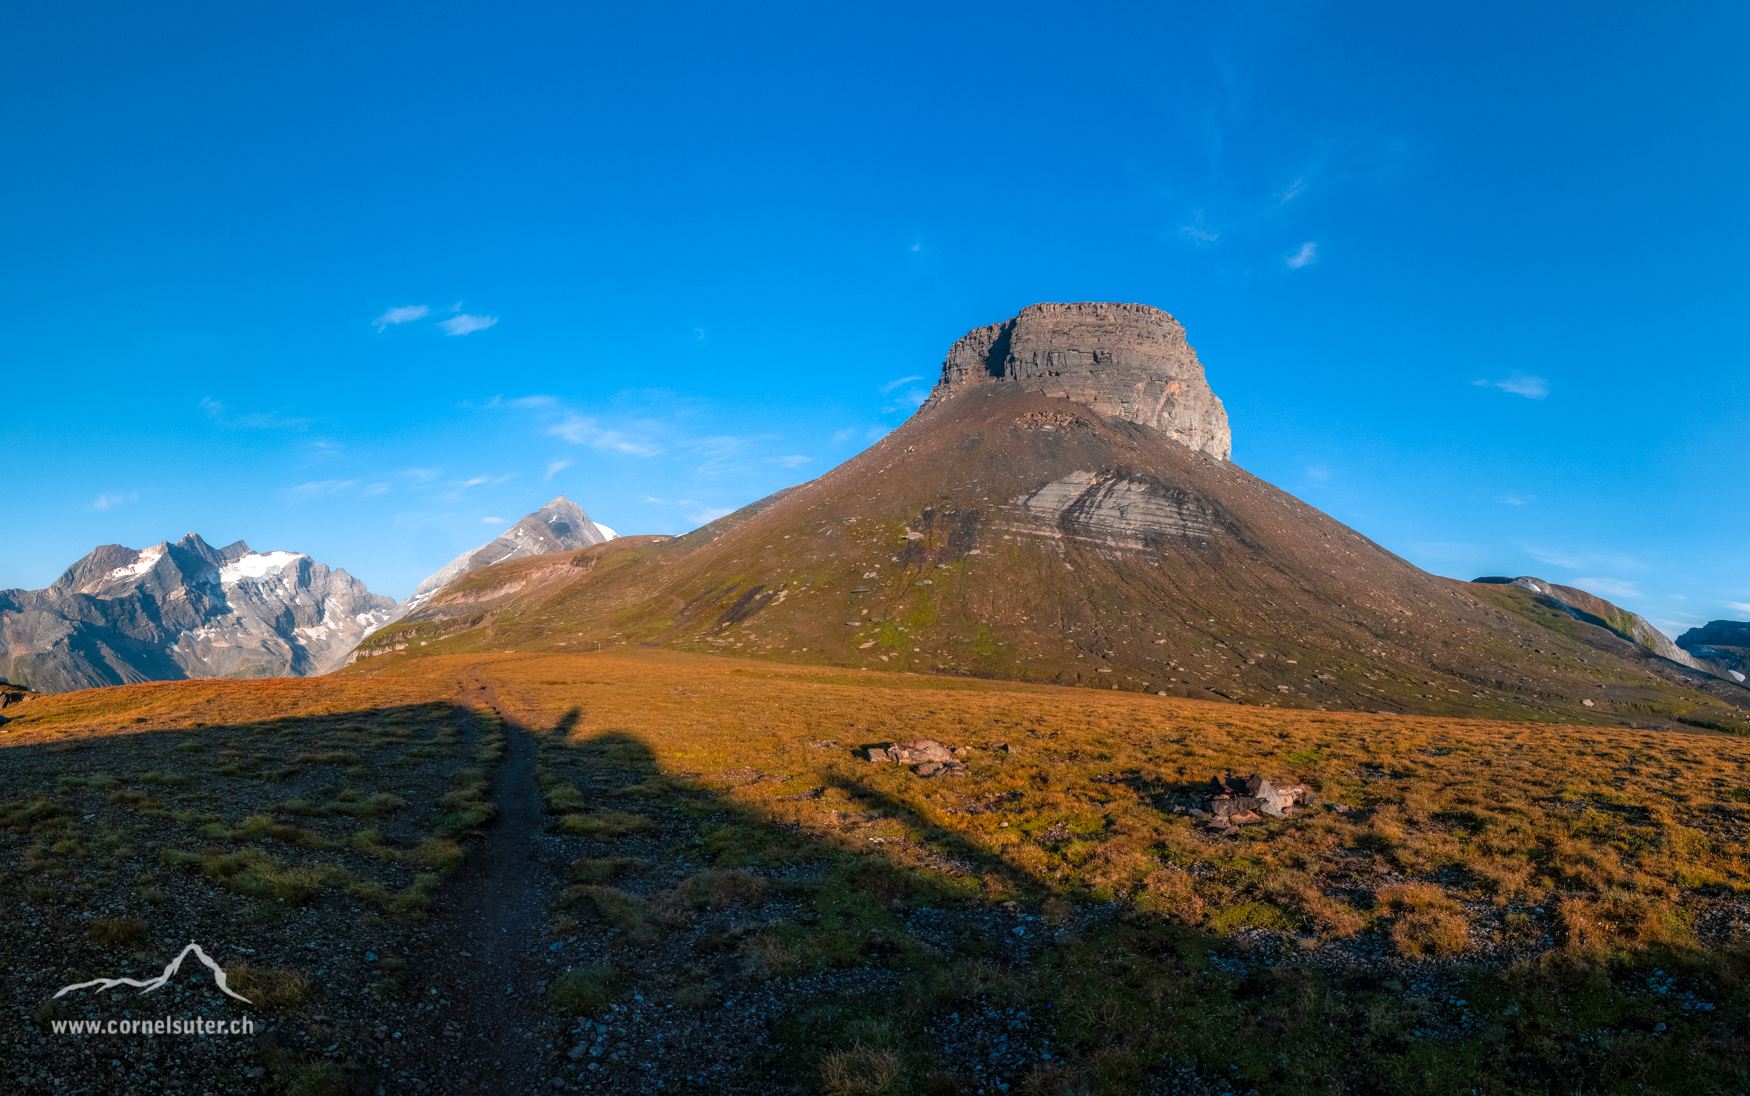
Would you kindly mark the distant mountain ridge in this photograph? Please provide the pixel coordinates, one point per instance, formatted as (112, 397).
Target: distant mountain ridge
(184, 610)
(1593, 609)
(559, 526)
(1721, 645)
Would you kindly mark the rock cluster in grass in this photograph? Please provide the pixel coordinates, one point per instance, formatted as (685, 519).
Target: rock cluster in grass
(1235, 801)
(930, 758)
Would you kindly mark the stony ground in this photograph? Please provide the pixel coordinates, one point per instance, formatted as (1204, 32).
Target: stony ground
(620, 879)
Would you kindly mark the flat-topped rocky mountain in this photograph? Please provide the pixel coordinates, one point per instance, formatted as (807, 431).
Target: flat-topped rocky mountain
(184, 610)
(1062, 511)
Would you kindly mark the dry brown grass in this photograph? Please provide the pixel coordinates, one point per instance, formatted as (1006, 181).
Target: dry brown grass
(1617, 835)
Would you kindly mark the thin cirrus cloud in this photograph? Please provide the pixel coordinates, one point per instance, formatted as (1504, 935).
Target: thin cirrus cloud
(1612, 586)
(404, 314)
(319, 488)
(1306, 256)
(556, 466)
(492, 521)
(579, 430)
(271, 420)
(466, 324)
(110, 502)
(1520, 384)
(1738, 606)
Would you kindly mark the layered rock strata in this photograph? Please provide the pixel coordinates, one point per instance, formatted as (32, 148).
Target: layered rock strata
(1128, 361)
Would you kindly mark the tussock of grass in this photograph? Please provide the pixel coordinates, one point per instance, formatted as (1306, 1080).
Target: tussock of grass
(721, 889)
(582, 990)
(627, 913)
(604, 870)
(269, 990)
(603, 825)
(259, 826)
(116, 932)
(319, 1079)
(334, 757)
(563, 797)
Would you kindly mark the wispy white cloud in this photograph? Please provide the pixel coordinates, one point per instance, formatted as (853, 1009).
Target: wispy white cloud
(623, 443)
(272, 420)
(421, 475)
(318, 488)
(1738, 606)
(374, 489)
(1582, 560)
(476, 481)
(1447, 550)
(405, 314)
(1199, 233)
(706, 516)
(492, 521)
(574, 428)
(466, 324)
(1306, 256)
(555, 467)
(1518, 500)
(1520, 384)
(110, 502)
(1608, 586)
(891, 385)
(1295, 190)
(792, 461)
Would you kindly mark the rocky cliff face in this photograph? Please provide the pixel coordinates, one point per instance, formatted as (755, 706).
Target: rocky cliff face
(1128, 361)
(184, 610)
(559, 526)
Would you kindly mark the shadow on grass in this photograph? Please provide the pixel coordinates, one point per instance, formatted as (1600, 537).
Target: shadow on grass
(1047, 994)
(1113, 998)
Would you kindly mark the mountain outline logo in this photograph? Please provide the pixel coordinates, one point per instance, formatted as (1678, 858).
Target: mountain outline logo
(157, 983)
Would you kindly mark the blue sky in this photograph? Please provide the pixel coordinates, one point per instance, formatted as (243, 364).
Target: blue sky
(361, 280)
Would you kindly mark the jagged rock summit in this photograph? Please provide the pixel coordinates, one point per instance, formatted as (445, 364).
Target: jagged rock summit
(559, 526)
(1128, 361)
(184, 610)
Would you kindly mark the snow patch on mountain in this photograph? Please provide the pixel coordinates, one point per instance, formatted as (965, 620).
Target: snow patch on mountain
(141, 564)
(257, 565)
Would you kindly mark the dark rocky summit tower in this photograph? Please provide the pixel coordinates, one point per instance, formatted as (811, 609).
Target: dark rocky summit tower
(1128, 361)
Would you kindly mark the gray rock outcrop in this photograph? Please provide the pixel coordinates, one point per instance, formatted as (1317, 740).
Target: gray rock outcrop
(1128, 361)
(184, 610)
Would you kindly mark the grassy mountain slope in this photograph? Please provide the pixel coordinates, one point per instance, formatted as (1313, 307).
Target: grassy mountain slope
(1009, 535)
